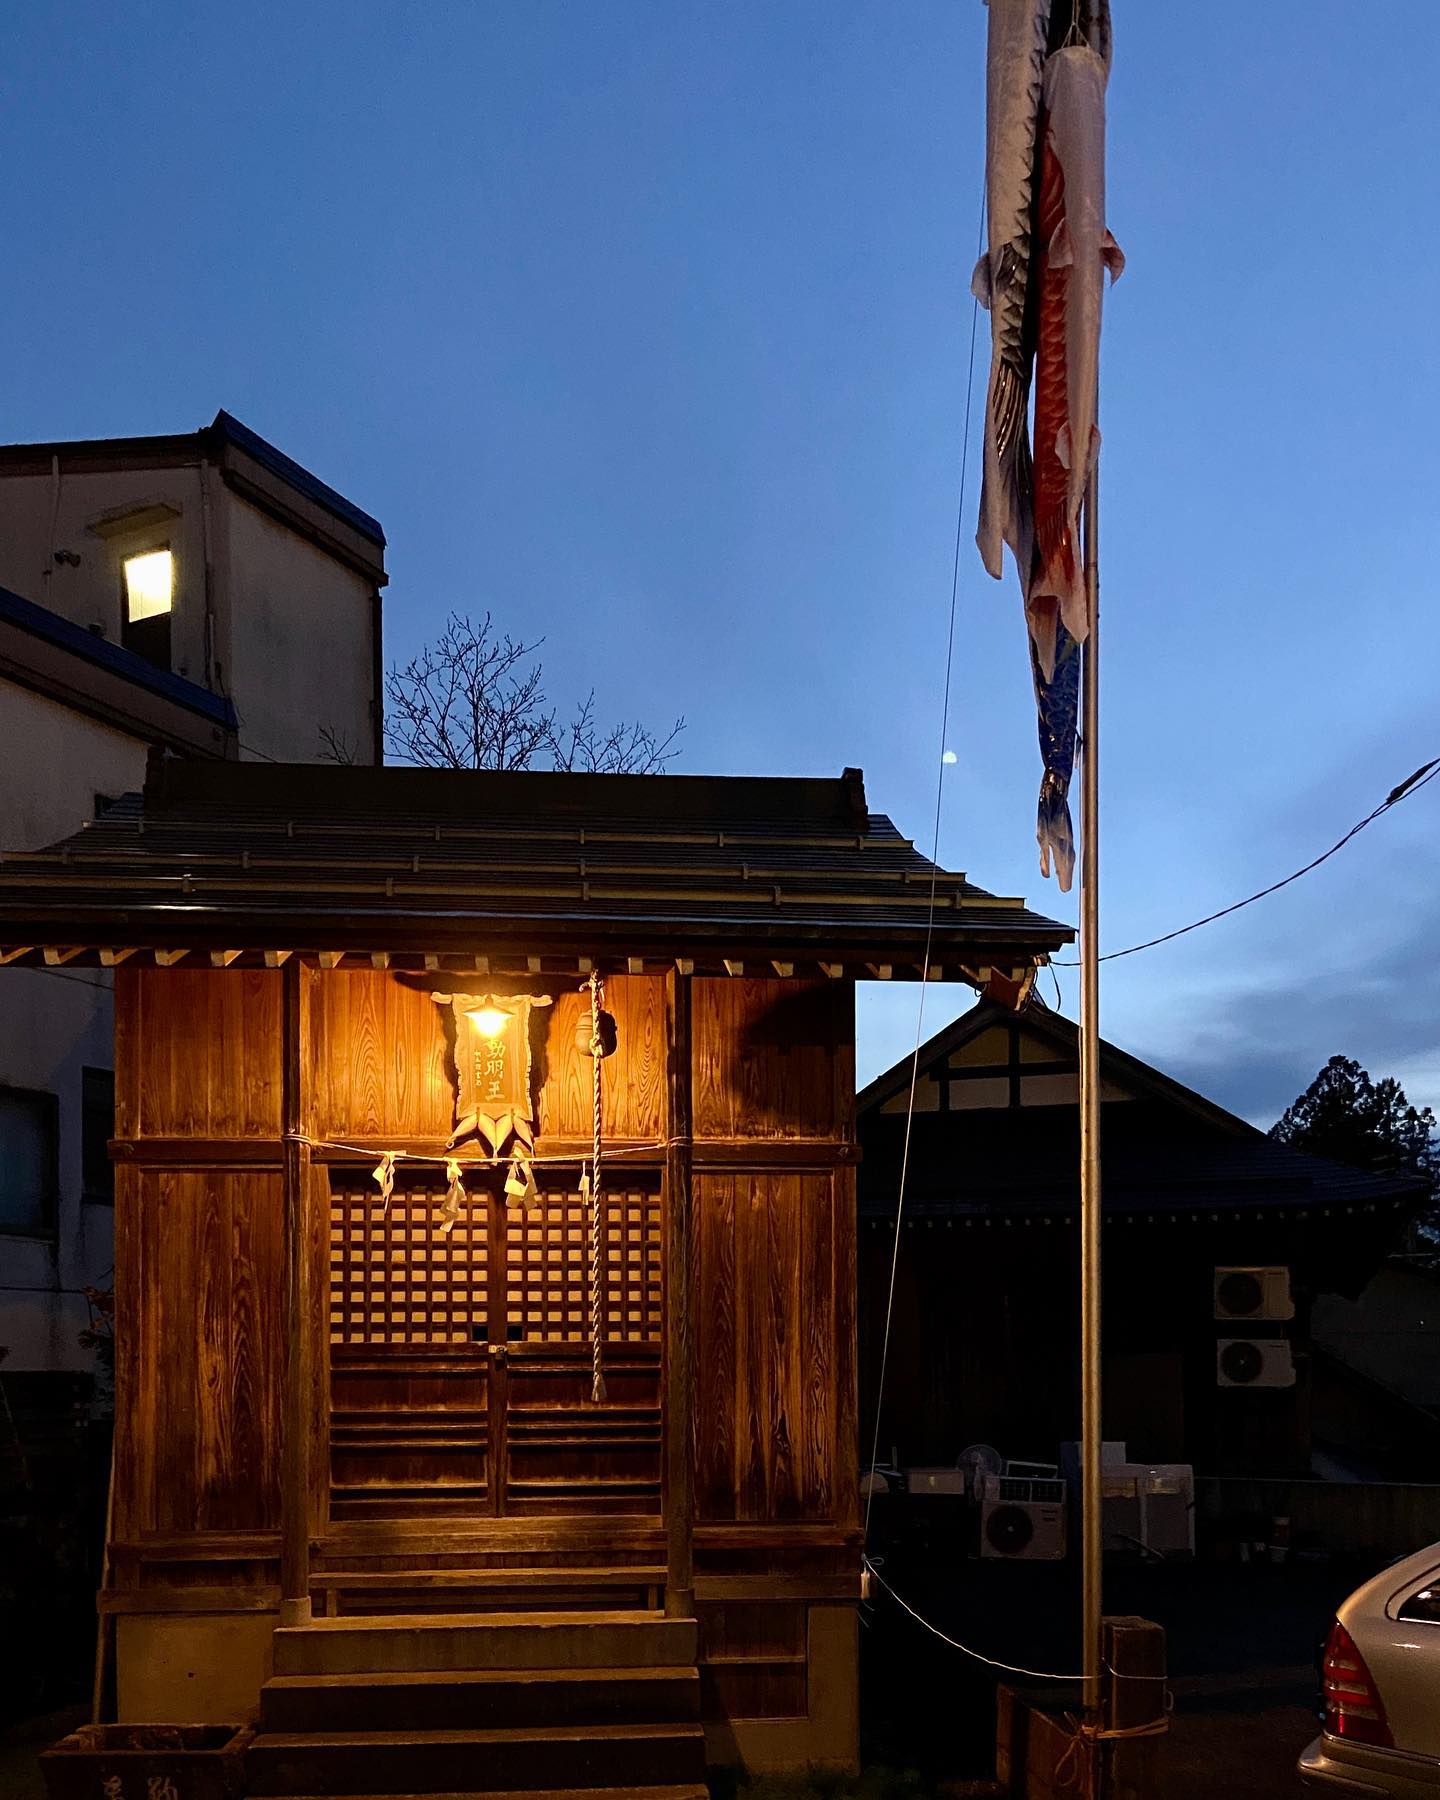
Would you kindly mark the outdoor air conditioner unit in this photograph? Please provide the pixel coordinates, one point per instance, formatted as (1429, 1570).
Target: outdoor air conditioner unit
(1149, 1507)
(1254, 1363)
(1253, 1294)
(1021, 1519)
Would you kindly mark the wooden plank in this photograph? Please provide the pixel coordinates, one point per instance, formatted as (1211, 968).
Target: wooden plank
(299, 1393)
(379, 1061)
(845, 1472)
(1134, 1696)
(201, 1546)
(109, 959)
(207, 1064)
(127, 1513)
(198, 1152)
(127, 1052)
(813, 1427)
(473, 1534)
(766, 1535)
(554, 1575)
(679, 1438)
(774, 1153)
(198, 1267)
(189, 1599)
(763, 1059)
(634, 1098)
(777, 1587)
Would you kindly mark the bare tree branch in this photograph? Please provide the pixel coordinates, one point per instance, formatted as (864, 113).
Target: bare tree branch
(474, 700)
(623, 749)
(338, 747)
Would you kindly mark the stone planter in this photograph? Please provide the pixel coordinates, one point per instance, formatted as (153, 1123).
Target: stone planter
(147, 1762)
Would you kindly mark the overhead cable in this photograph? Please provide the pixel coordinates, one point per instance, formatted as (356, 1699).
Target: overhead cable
(1411, 785)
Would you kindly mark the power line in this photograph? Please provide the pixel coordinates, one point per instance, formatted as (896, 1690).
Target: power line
(1411, 785)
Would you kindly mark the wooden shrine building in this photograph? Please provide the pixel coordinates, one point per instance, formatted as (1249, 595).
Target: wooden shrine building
(378, 1476)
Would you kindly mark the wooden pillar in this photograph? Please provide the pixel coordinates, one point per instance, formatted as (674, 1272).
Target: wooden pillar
(299, 1390)
(679, 1296)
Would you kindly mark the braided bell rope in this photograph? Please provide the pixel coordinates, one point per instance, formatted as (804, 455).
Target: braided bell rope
(597, 1217)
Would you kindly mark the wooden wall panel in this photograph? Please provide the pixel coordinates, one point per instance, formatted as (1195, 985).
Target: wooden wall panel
(379, 1066)
(846, 1383)
(198, 1277)
(766, 1407)
(764, 1058)
(208, 1063)
(634, 1077)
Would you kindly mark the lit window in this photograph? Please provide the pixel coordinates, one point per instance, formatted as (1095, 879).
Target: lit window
(148, 599)
(149, 585)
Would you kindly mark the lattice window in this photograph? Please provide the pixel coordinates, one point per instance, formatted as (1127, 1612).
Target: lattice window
(547, 1268)
(394, 1279)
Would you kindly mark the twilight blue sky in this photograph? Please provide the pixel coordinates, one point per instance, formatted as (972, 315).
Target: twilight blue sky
(644, 323)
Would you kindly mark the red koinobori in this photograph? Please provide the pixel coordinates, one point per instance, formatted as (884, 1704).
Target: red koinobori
(1042, 277)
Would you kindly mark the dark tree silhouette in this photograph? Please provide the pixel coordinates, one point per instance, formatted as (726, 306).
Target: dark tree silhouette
(1368, 1124)
(475, 700)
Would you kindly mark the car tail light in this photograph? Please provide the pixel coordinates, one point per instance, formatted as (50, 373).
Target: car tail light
(1353, 1708)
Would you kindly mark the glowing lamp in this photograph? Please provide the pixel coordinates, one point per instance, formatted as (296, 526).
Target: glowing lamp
(489, 1021)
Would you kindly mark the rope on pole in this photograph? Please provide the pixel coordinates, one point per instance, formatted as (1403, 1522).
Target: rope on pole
(597, 1216)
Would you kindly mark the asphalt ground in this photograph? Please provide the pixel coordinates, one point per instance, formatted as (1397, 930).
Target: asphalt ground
(1241, 1647)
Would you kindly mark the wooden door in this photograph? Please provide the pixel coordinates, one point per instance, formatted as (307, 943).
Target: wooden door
(461, 1361)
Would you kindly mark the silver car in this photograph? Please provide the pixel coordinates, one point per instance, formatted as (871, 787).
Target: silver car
(1381, 1686)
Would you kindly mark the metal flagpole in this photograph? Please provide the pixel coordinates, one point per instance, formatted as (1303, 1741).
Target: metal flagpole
(1092, 1541)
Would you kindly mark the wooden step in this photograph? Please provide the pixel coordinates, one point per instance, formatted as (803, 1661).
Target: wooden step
(628, 1757)
(684, 1791)
(414, 1589)
(511, 1640)
(441, 1699)
(627, 1575)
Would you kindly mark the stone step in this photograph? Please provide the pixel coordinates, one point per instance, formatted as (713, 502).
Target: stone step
(470, 1698)
(511, 1640)
(523, 1760)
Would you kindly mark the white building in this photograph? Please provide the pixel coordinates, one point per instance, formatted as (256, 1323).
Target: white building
(201, 595)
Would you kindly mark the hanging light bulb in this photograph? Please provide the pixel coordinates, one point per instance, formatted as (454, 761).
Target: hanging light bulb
(489, 1021)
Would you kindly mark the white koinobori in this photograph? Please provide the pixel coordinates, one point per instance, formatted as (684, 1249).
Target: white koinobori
(1015, 58)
